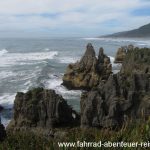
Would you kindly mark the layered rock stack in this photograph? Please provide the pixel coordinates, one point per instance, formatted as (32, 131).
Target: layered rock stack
(125, 96)
(89, 71)
(41, 108)
(136, 61)
(121, 53)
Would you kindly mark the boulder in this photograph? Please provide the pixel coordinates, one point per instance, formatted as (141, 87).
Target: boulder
(124, 96)
(41, 108)
(89, 71)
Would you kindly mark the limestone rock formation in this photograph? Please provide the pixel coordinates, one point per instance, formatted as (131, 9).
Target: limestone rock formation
(125, 96)
(89, 71)
(121, 53)
(41, 108)
(136, 61)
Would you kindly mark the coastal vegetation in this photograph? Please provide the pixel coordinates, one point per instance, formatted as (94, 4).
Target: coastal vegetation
(130, 132)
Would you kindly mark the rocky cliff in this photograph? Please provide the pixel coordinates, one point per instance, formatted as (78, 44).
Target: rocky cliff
(41, 108)
(89, 71)
(125, 96)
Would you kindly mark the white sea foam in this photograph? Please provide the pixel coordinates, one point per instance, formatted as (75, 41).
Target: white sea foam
(7, 100)
(3, 51)
(34, 56)
(105, 39)
(67, 60)
(115, 67)
(136, 41)
(5, 121)
(30, 63)
(91, 39)
(23, 58)
(55, 83)
(6, 74)
(28, 83)
(144, 43)
(46, 49)
(26, 75)
(112, 59)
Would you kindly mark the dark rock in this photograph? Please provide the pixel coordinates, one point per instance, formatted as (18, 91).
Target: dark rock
(89, 71)
(1, 108)
(41, 108)
(124, 96)
(2, 132)
(2, 128)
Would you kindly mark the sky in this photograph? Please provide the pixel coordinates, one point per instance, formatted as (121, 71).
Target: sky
(71, 18)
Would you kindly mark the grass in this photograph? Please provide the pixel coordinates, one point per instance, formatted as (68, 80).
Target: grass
(131, 132)
(25, 141)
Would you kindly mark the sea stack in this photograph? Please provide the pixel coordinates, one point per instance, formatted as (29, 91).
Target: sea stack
(41, 108)
(89, 71)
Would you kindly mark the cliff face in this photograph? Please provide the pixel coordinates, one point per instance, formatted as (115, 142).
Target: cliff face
(41, 108)
(125, 96)
(89, 71)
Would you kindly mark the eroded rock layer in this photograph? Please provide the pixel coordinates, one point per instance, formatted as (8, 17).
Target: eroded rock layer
(89, 71)
(121, 53)
(42, 108)
(125, 96)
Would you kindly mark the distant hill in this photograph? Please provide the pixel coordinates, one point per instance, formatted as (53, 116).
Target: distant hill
(143, 31)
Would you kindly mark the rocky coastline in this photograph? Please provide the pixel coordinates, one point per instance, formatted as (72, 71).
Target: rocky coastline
(108, 100)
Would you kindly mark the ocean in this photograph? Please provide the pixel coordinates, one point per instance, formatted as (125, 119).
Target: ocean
(26, 63)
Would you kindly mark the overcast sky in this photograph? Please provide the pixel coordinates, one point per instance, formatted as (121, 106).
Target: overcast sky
(86, 18)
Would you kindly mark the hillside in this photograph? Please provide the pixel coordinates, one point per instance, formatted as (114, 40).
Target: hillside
(142, 32)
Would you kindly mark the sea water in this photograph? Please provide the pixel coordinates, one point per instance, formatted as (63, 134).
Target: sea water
(26, 63)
